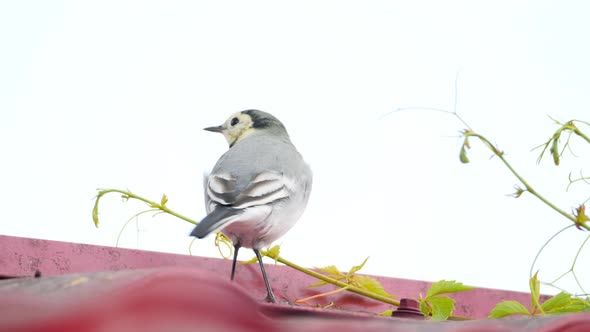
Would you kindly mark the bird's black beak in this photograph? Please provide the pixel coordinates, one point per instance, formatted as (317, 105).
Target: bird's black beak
(216, 129)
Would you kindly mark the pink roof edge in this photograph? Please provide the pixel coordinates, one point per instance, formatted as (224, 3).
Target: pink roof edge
(204, 282)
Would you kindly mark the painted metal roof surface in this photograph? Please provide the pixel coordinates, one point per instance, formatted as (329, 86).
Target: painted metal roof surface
(94, 288)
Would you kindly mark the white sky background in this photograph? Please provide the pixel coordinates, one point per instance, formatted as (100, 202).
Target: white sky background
(115, 94)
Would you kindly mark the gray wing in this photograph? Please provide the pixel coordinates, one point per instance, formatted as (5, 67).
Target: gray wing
(263, 188)
(225, 200)
(208, 208)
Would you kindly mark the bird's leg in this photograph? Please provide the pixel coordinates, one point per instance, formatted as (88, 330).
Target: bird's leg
(270, 297)
(233, 265)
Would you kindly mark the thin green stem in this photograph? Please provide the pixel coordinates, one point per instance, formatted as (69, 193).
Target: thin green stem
(341, 284)
(312, 273)
(553, 285)
(191, 245)
(543, 248)
(128, 221)
(162, 207)
(561, 276)
(528, 187)
(581, 178)
(579, 251)
(338, 283)
(581, 134)
(152, 204)
(574, 263)
(578, 281)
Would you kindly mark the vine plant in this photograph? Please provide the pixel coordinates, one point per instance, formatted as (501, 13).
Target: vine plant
(563, 301)
(434, 304)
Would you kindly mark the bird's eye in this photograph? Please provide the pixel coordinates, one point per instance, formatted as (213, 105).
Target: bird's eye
(234, 121)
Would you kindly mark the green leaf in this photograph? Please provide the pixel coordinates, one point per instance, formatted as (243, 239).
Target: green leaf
(535, 286)
(164, 200)
(371, 284)
(443, 287)
(442, 307)
(570, 308)
(555, 151)
(559, 305)
(95, 213)
(95, 209)
(576, 305)
(424, 307)
(507, 308)
(331, 270)
(584, 304)
(556, 302)
(386, 312)
(356, 268)
(463, 155)
(273, 252)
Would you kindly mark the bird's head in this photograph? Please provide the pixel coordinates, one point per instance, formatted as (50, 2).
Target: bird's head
(242, 124)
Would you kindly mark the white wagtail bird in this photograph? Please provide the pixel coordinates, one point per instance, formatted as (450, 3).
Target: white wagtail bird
(258, 189)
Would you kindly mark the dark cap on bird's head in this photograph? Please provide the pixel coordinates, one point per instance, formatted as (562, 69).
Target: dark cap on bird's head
(263, 120)
(241, 124)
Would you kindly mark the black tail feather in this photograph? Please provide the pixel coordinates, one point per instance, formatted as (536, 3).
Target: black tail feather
(214, 220)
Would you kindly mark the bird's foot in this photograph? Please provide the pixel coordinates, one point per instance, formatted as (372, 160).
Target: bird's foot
(270, 298)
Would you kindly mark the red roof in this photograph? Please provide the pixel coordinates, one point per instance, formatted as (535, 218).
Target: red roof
(94, 288)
